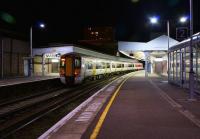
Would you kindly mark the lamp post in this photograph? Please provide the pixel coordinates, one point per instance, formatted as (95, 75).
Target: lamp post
(191, 73)
(41, 25)
(31, 52)
(168, 35)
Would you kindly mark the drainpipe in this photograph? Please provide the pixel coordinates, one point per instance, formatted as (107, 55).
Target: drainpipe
(2, 62)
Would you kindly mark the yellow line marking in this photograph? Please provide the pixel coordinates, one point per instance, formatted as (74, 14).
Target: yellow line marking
(103, 115)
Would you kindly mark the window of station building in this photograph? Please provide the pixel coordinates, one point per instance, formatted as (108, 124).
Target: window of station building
(54, 60)
(77, 63)
(37, 59)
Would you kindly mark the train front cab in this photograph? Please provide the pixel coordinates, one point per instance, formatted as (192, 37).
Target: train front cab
(70, 69)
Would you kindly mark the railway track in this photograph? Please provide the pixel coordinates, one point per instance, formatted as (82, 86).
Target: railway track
(15, 116)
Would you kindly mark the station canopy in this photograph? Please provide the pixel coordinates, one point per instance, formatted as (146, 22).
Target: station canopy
(52, 51)
(157, 46)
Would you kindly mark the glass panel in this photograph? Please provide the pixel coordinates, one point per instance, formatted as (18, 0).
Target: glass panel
(174, 66)
(89, 65)
(99, 66)
(198, 68)
(178, 66)
(113, 65)
(171, 65)
(77, 63)
(108, 65)
(118, 65)
(187, 63)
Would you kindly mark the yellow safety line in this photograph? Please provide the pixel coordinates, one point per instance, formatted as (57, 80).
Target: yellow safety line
(103, 115)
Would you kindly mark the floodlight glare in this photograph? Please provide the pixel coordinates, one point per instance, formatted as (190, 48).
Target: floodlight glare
(42, 25)
(183, 19)
(154, 20)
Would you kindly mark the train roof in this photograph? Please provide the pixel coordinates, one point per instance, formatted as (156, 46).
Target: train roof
(69, 49)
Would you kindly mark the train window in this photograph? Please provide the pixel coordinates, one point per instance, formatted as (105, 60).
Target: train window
(125, 65)
(62, 62)
(89, 65)
(103, 65)
(113, 65)
(122, 65)
(129, 65)
(99, 66)
(77, 63)
(118, 65)
(108, 65)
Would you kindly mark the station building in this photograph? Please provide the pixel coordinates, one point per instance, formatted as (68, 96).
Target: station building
(13, 53)
(46, 60)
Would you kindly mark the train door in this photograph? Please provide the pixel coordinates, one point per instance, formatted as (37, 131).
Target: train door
(70, 69)
(69, 66)
(55, 67)
(66, 70)
(77, 70)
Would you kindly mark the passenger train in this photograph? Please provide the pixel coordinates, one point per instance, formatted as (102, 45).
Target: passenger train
(74, 67)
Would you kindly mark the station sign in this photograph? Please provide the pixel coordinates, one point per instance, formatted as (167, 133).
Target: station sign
(181, 33)
(52, 55)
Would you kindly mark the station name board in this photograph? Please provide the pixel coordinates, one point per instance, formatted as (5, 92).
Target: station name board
(52, 55)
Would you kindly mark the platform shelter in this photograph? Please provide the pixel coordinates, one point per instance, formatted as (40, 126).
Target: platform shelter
(154, 52)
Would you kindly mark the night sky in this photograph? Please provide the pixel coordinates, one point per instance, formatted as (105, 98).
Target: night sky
(65, 20)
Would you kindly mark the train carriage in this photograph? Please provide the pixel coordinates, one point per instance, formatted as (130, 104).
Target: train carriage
(75, 67)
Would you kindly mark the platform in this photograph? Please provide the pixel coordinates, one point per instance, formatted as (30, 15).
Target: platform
(134, 107)
(20, 80)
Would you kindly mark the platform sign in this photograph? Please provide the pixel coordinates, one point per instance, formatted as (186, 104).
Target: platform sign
(181, 33)
(52, 55)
